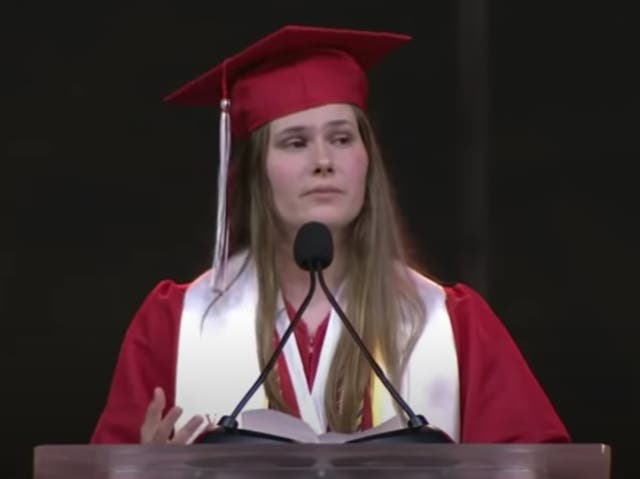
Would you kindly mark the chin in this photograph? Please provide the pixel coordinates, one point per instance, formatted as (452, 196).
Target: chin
(336, 219)
(332, 221)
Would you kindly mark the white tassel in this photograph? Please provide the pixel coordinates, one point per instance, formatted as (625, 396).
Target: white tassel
(221, 249)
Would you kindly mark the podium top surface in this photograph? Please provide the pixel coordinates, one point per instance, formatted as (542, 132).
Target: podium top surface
(464, 461)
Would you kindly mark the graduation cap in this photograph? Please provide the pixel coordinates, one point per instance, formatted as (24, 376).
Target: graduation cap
(292, 69)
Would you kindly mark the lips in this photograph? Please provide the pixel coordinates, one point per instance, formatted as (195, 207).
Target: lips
(323, 190)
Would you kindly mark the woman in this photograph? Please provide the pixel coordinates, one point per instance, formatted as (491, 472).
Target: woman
(304, 150)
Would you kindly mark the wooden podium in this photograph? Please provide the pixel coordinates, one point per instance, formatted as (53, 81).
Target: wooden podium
(204, 461)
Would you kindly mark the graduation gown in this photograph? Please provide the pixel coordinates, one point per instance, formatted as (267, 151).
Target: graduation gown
(496, 399)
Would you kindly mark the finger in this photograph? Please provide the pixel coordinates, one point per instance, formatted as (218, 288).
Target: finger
(186, 431)
(212, 426)
(154, 410)
(164, 429)
(153, 415)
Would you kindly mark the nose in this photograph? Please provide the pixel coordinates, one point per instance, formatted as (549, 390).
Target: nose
(323, 160)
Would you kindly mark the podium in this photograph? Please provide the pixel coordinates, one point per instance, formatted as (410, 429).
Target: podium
(324, 461)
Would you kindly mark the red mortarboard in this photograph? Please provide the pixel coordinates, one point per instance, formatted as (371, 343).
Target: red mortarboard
(292, 69)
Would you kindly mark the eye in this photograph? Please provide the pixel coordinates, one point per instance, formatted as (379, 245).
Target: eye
(342, 139)
(294, 143)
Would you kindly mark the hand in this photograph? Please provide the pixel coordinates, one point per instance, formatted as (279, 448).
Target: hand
(157, 430)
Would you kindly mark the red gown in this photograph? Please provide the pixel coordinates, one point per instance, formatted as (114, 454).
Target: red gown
(501, 401)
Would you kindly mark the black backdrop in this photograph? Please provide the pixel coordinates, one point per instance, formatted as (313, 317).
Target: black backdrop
(514, 174)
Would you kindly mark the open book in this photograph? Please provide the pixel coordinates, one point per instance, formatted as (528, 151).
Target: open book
(274, 422)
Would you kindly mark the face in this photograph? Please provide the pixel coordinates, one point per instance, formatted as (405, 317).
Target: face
(317, 166)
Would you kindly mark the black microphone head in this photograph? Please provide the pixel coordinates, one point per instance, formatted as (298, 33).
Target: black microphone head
(313, 246)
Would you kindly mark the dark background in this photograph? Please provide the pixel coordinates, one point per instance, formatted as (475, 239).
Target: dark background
(511, 129)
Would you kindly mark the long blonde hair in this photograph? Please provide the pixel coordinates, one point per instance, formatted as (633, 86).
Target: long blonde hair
(381, 301)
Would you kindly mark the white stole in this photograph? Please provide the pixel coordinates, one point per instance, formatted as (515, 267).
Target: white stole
(217, 359)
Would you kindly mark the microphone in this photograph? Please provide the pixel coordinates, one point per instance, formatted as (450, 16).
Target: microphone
(416, 423)
(313, 248)
(312, 251)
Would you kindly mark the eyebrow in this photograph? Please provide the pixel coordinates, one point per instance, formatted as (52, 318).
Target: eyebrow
(292, 130)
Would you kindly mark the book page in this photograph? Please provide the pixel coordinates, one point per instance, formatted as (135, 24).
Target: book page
(275, 422)
(338, 438)
(278, 423)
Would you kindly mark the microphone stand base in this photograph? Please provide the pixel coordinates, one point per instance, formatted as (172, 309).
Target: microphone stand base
(410, 435)
(224, 435)
(419, 435)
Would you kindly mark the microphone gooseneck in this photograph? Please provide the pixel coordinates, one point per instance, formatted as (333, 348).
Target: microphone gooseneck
(415, 420)
(418, 430)
(230, 421)
(312, 250)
